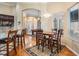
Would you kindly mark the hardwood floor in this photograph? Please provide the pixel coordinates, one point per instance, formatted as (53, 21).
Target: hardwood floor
(30, 41)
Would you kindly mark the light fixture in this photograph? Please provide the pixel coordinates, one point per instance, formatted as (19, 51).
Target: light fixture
(46, 15)
(45, 12)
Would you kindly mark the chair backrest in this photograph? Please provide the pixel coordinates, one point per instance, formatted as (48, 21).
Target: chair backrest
(23, 33)
(54, 30)
(60, 31)
(12, 33)
(39, 34)
(54, 36)
(57, 35)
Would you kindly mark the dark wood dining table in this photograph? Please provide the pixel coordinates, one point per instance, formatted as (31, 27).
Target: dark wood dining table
(34, 31)
(49, 33)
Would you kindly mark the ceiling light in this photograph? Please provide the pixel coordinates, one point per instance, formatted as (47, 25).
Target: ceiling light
(46, 15)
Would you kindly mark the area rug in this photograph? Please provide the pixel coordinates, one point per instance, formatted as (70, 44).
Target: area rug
(3, 49)
(34, 51)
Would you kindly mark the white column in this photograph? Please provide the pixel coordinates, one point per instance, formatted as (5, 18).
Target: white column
(18, 17)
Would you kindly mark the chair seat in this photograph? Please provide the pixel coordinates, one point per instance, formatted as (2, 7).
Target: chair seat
(19, 35)
(55, 40)
(4, 40)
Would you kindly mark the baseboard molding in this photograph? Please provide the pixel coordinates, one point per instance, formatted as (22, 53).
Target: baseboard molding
(72, 50)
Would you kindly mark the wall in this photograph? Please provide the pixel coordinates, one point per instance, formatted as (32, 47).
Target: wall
(46, 25)
(63, 7)
(73, 41)
(5, 10)
(51, 8)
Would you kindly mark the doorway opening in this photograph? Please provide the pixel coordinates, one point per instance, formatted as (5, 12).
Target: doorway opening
(31, 20)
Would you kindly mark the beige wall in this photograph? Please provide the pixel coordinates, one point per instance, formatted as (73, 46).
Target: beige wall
(63, 7)
(73, 42)
(52, 8)
(5, 10)
(46, 25)
(55, 8)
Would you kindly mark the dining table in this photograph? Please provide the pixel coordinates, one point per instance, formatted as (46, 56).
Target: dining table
(34, 31)
(47, 34)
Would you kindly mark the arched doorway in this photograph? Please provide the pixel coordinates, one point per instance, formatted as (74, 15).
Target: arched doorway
(32, 19)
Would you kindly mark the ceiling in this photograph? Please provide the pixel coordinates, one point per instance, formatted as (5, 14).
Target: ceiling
(26, 3)
(8, 3)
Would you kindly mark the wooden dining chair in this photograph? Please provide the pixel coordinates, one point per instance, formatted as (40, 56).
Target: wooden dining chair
(23, 34)
(54, 30)
(40, 39)
(10, 38)
(53, 48)
(47, 40)
(60, 33)
(56, 41)
(21, 37)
